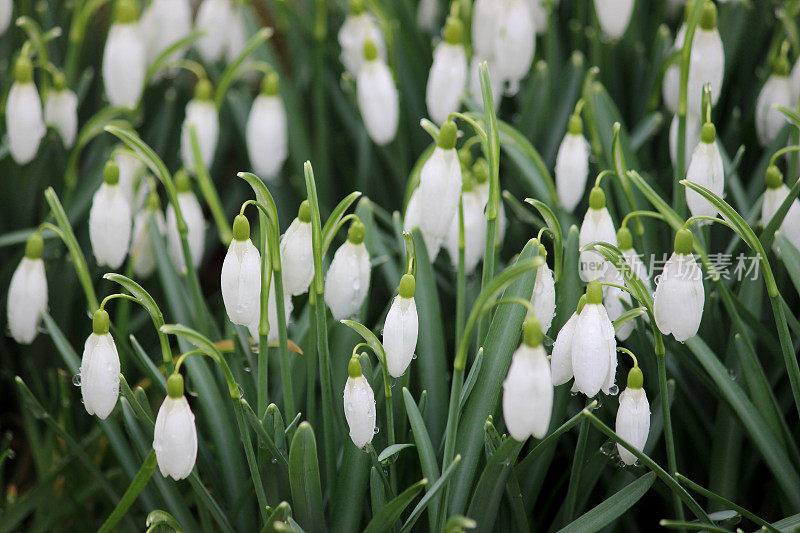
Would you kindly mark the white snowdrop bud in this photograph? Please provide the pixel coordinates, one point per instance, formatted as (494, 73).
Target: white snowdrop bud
(707, 61)
(213, 19)
(142, 254)
(125, 57)
(297, 253)
(427, 15)
(358, 28)
(27, 293)
(164, 22)
(633, 416)
(614, 16)
(377, 96)
(693, 134)
(175, 433)
(561, 358)
(572, 165)
(401, 328)
(597, 227)
(347, 281)
(272, 314)
(475, 82)
(774, 196)
(100, 369)
(6, 9)
(679, 297)
(474, 230)
(131, 169)
(24, 114)
(439, 189)
(110, 220)
(777, 91)
(359, 405)
(528, 387)
(267, 134)
(61, 111)
(195, 224)
(543, 298)
(515, 43)
(671, 86)
(202, 114)
(241, 276)
(448, 75)
(705, 169)
(594, 348)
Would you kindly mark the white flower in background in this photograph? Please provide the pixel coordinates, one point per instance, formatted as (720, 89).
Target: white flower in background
(6, 9)
(125, 57)
(794, 78)
(359, 405)
(175, 433)
(358, 28)
(131, 169)
(475, 82)
(142, 253)
(61, 111)
(213, 18)
(776, 91)
(543, 298)
(401, 328)
(100, 369)
(485, 20)
(237, 34)
(633, 416)
(625, 240)
(774, 196)
(671, 86)
(272, 314)
(693, 133)
(707, 61)
(202, 114)
(377, 96)
(539, 13)
(679, 297)
(481, 172)
(594, 348)
(515, 43)
(572, 165)
(528, 387)
(24, 114)
(195, 224)
(240, 279)
(412, 215)
(347, 281)
(428, 15)
(614, 16)
(27, 293)
(597, 227)
(617, 301)
(561, 358)
(439, 189)
(110, 220)
(267, 133)
(448, 75)
(474, 229)
(705, 169)
(297, 253)
(164, 22)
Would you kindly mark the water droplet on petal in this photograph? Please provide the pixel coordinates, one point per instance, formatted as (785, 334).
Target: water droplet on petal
(613, 390)
(732, 374)
(274, 461)
(414, 356)
(609, 448)
(76, 379)
(377, 429)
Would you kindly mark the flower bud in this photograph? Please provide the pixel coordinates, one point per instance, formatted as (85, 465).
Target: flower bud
(347, 281)
(24, 114)
(572, 165)
(61, 112)
(27, 293)
(142, 253)
(359, 405)
(679, 298)
(594, 348)
(448, 75)
(777, 91)
(633, 418)
(401, 328)
(213, 18)
(241, 276)
(377, 97)
(297, 252)
(514, 44)
(705, 169)
(614, 16)
(774, 196)
(125, 57)
(267, 134)
(202, 114)
(175, 433)
(358, 28)
(110, 220)
(544, 293)
(100, 369)
(597, 227)
(195, 224)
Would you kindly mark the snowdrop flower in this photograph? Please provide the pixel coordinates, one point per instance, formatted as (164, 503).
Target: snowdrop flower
(572, 165)
(679, 297)
(693, 134)
(192, 215)
(594, 349)
(528, 388)
(616, 301)
(61, 111)
(130, 170)
(142, 254)
(561, 358)
(358, 28)
(794, 78)
(237, 34)
(164, 22)
(175, 434)
(272, 315)
(707, 61)
(625, 240)
(633, 416)
(774, 196)
(202, 114)
(27, 293)
(427, 15)
(266, 130)
(213, 18)
(776, 91)
(377, 96)
(100, 369)
(412, 215)
(6, 9)
(297, 253)
(241, 276)
(486, 16)
(597, 227)
(359, 405)
(515, 43)
(24, 114)
(347, 281)
(705, 169)
(539, 13)
(481, 172)
(448, 75)
(125, 57)
(439, 189)
(614, 16)
(671, 86)
(400, 328)
(474, 229)
(544, 293)
(110, 220)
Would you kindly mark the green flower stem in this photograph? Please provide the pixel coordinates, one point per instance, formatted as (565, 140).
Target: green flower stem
(209, 191)
(575, 473)
(251, 459)
(411, 253)
(283, 346)
(229, 76)
(669, 435)
(82, 13)
(620, 170)
(461, 278)
(137, 484)
(159, 64)
(91, 129)
(39, 43)
(640, 213)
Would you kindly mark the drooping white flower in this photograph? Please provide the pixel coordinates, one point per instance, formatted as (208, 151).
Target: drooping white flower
(164, 22)
(110, 220)
(202, 114)
(774, 196)
(359, 405)
(543, 298)
(705, 169)
(297, 253)
(448, 75)
(241, 276)
(358, 28)
(237, 34)
(100, 369)
(6, 9)
(572, 165)
(679, 297)
(195, 224)
(693, 134)
(614, 16)
(24, 121)
(175, 433)
(597, 227)
(272, 314)
(633, 416)
(125, 57)
(400, 329)
(347, 281)
(412, 216)
(142, 253)
(515, 43)
(528, 388)
(61, 112)
(794, 78)
(616, 301)
(377, 96)
(671, 86)
(486, 16)
(213, 18)
(131, 169)
(561, 358)
(427, 15)
(474, 230)
(707, 61)
(267, 135)
(27, 293)
(633, 259)
(594, 348)
(777, 91)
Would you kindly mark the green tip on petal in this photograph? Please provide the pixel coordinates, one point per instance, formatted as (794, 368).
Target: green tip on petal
(357, 232)
(532, 332)
(407, 286)
(575, 125)
(370, 50)
(773, 177)
(100, 322)
(709, 134)
(34, 246)
(241, 228)
(594, 293)
(271, 84)
(356, 7)
(542, 251)
(635, 378)
(111, 172)
(465, 158)
(153, 202)
(624, 238)
(581, 303)
(127, 11)
(781, 67)
(59, 82)
(708, 19)
(453, 30)
(182, 181)
(175, 386)
(481, 170)
(447, 135)
(23, 70)
(597, 198)
(684, 242)
(354, 367)
(203, 90)
(466, 182)
(304, 213)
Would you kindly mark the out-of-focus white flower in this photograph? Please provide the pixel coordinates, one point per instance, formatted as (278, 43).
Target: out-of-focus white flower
(427, 15)
(142, 253)
(597, 227)
(515, 43)
(572, 165)
(614, 16)
(110, 220)
(358, 28)
(202, 114)
(267, 135)
(297, 253)
(633, 416)
(412, 215)
(679, 297)
(794, 79)
(777, 91)
(237, 34)
(195, 224)
(125, 57)
(6, 9)
(705, 169)
(448, 75)
(241, 276)
(539, 14)
(61, 112)
(401, 328)
(27, 293)
(272, 314)
(671, 86)
(24, 114)
(213, 18)
(774, 196)
(175, 433)
(100, 369)
(707, 61)
(359, 405)
(377, 96)
(475, 82)
(481, 172)
(130, 170)
(164, 22)
(561, 358)
(693, 132)
(633, 259)
(594, 348)
(474, 230)
(544, 293)
(485, 20)
(347, 281)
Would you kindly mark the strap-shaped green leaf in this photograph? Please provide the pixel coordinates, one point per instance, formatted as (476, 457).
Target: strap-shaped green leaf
(304, 479)
(385, 519)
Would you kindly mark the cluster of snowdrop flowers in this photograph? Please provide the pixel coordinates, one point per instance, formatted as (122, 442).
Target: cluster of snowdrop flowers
(267, 130)
(614, 16)
(774, 196)
(27, 294)
(679, 298)
(777, 91)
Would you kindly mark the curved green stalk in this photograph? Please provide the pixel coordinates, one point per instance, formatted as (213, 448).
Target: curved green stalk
(209, 191)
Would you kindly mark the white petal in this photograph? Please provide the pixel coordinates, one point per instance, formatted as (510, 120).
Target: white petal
(590, 349)
(165, 22)
(597, 227)
(693, 127)
(528, 394)
(446, 81)
(202, 114)
(24, 122)
(175, 438)
(474, 233)
(241, 282)
(769, 121)
(130, 171)
(486, 14)
(347, 281)
(352, 36)
(272, 315)
(124, 65)
(572, 169)
(142, 254)
(100, 375)
(427, 15)
(27, 299)
(707, 65)
(110, 226)
(544, 297)
(679, 298)
(633, 422)
(378, 101)
(561, 358)
(196, 225)
(61, 112)
(400, 335)
(6, 9)
(297, 257)
(705, 169)
(614, 16)
(475, 82)
(790, 227)
(515, 43)
(439, 193)
(267, 136)
(359, 410)
(212, 18)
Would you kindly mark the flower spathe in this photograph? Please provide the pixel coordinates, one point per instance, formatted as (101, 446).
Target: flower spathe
(633, 417)
(377, 97)
(448, 75)
(24, 121)
(213, 18)
(679, 298)
(100, 369)
(61, 112)
(195, 224)
(267, 134)
(110, 220)
(347, 280)
(594, 356)
(241, 276)
(27, 293)
(297, 253)
(401, 328)
(175, 433)
(614, 16)
(359, 405)
(572, 165)
(597, 226)
(202, 114)
(774, 196)
(125, 57)
(705, 168)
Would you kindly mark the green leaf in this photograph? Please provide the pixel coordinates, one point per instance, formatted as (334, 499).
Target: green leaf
(161, 61)
(159, 518)
(228, 76)
(791, 259)
(433, 491)
(385, 519)
(332, 223)
(136, 486)
(491, 485)
(262, 433)
(529, 162)
(304, 479)
(425, 450)
(369, 338)
(555, 228)
(392, 450)
(351, 485)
